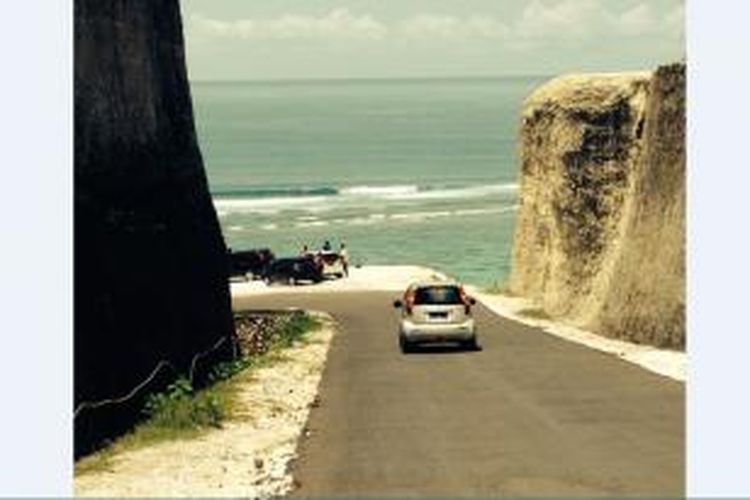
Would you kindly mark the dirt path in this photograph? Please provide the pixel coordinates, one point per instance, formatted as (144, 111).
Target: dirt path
(247, 458)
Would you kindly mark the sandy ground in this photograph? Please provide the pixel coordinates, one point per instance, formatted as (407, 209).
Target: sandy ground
(672, 364)
(366, 278)
(247, 458)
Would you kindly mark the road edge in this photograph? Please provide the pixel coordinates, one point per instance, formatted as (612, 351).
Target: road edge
(668, 363)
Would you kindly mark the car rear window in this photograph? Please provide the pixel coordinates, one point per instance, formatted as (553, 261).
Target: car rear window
(330, 258)
(444, 295)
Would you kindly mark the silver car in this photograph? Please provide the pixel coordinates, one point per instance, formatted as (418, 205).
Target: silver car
(436, 312)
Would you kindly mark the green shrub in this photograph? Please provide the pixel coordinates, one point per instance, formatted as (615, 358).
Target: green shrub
(181, 412)
(295, 329)
(180, 407)
(228, 369)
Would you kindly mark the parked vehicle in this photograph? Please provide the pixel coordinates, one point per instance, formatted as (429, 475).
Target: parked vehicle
(249, 262)
(436, 312)
(292, 270)
(333, 264)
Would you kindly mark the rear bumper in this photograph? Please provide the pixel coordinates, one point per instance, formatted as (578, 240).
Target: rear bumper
(422, 332)
(332, 270)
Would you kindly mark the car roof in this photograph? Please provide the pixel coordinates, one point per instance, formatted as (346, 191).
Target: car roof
(435, 283)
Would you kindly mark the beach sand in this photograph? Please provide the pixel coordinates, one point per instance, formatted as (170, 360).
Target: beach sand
(360, 279)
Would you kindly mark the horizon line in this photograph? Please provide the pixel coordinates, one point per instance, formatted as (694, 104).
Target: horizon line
(368, 78)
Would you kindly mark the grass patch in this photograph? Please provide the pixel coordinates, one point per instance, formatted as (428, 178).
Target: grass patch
(181, 412)
(534, 313)
(180, 407)
(296, 328)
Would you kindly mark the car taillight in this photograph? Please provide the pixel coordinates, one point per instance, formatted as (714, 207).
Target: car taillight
(465, 300)
(409, 302)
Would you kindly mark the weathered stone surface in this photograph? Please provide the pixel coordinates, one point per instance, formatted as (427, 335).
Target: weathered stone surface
(599, 239)
(150, 260)
(646, 300)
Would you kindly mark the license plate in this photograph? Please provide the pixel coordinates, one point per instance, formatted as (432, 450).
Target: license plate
(437, 315)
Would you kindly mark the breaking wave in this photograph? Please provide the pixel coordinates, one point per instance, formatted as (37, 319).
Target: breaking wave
(272, 200)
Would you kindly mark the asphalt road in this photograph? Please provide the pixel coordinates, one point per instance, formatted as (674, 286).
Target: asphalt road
(528, 415)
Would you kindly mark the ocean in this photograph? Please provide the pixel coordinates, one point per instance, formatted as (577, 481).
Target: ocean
(404, 171)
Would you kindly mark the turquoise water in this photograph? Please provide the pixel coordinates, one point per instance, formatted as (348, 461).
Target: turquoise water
(405, 171)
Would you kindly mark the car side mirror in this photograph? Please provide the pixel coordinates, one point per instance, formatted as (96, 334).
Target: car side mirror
(398, 304)
(472, 301)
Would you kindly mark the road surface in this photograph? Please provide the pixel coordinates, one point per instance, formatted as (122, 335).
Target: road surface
(528, 415)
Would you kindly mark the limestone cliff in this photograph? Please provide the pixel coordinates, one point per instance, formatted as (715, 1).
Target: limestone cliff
(150, 262)
(599, 239)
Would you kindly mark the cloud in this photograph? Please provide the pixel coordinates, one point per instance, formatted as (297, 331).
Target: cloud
(587, 19)
(431, 26)
(336, 24)
(637, 21)
(564, 19)
(541, 21)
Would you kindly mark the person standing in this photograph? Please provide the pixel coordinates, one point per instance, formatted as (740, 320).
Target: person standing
(344, 256)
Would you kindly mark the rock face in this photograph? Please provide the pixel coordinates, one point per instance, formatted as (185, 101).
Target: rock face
(150, 260)
(600, 233)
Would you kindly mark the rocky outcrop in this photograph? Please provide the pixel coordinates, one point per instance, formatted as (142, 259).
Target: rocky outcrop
(599, 239)
(150, 261)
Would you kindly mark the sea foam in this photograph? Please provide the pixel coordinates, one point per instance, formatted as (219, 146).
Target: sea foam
(350, 196)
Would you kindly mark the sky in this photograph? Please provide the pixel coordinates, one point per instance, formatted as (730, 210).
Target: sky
(329, 39)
